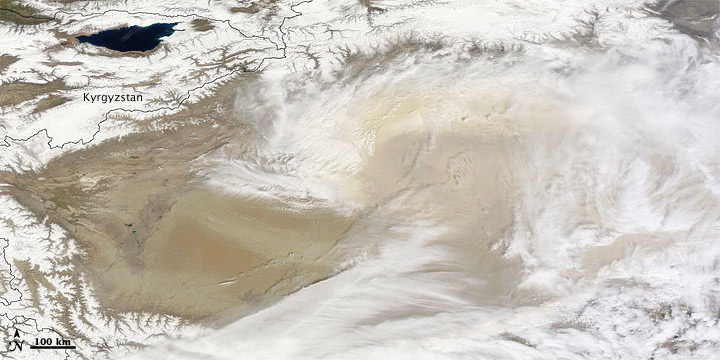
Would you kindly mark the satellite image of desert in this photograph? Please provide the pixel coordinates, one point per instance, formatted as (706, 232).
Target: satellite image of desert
(360, 179)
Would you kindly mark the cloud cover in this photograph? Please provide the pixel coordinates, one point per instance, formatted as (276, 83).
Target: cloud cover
(555, 201)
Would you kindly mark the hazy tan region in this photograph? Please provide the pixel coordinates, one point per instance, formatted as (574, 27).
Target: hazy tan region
(158, 241)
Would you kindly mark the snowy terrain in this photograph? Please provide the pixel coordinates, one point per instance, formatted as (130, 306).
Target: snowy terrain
(596, 120)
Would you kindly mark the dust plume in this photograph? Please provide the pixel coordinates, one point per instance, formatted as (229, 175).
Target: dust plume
(546, 203)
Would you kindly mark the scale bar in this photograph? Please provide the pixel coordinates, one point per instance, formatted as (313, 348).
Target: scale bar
(53, 347)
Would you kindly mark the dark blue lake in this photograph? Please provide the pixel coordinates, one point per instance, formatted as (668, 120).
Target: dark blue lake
(133, 38)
